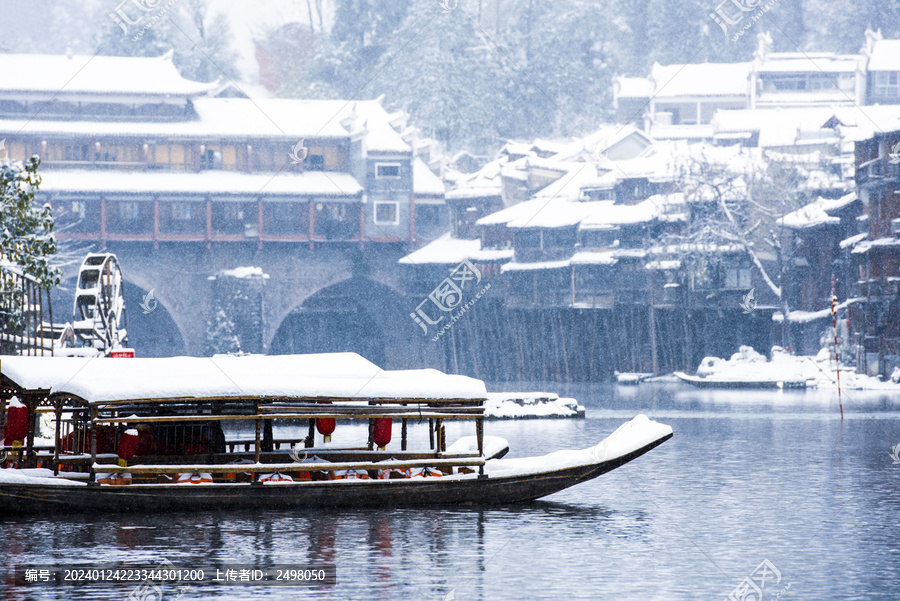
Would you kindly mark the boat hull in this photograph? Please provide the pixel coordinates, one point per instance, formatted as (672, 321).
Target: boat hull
(433, 491)
(740, 384)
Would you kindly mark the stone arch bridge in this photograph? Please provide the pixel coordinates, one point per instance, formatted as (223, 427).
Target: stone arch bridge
(327, 297)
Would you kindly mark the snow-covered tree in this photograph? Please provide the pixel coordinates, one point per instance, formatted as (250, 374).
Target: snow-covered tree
(27, 244)
(220, 336)
(200, 38)
(26, 229)
(735, 196)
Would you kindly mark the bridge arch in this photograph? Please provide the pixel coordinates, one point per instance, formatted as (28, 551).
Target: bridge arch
(153, 334)
(357, 314)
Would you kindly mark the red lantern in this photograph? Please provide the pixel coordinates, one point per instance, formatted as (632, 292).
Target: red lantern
(16, 422)
(128, 444)
(325, 425)
(145, 441)
(382, 435)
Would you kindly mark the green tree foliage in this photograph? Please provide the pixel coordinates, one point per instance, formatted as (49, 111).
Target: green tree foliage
(26, 240)
(26, 230)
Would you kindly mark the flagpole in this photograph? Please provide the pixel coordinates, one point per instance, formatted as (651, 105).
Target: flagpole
(837, 357)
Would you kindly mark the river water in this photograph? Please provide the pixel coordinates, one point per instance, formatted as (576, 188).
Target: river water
(750, 477)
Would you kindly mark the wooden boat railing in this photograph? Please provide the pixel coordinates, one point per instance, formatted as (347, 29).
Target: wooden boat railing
(285, 467)
(86, 419)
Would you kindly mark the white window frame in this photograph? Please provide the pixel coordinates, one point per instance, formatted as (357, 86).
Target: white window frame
(378, 166)
(882, 85)
(396, 205)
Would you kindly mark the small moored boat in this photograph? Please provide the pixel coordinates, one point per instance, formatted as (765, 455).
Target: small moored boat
(166, 434)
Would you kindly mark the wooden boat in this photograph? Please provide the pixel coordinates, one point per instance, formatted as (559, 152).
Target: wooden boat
(148, 435)
(720, 382)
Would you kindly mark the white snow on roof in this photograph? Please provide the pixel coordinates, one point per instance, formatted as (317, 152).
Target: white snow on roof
(817, 213)
(853, 240)
(425, 182)
(447, 250)
(278, 118)
(743, 120)
(705, 79)
(885, 56)
(612, 214)
(318, 183)
(587, 257)
(535, 266)
(337, 375)
(60, 75)
(244, 272)
(866, 245)
(815, 62)
(633, 87)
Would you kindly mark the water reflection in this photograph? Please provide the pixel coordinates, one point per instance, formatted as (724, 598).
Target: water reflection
(747, 476)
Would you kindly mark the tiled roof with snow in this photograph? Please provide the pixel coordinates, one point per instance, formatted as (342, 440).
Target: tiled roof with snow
(283, 118)
(867, 245)
(633, 87)
(885, 56)
(425, 182)
(95, 75)
(448, 250)
(705, 79)
(609, 214)
(817, 213)
(814, 62)
(216, 183)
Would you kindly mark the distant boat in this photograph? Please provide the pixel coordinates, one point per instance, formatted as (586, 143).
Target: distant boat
(720, 382)
(746, 369)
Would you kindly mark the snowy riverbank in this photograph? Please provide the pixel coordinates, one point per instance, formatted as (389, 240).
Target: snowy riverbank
(820, 371)
(530, 405)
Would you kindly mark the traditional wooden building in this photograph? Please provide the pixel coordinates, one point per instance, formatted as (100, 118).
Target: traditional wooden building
(132, 151)
(876, 258)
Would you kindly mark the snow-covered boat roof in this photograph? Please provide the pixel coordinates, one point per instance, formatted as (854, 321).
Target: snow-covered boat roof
(224, 183)
(885, 56)
(62, 76)
(327, 375)
(704, 79)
